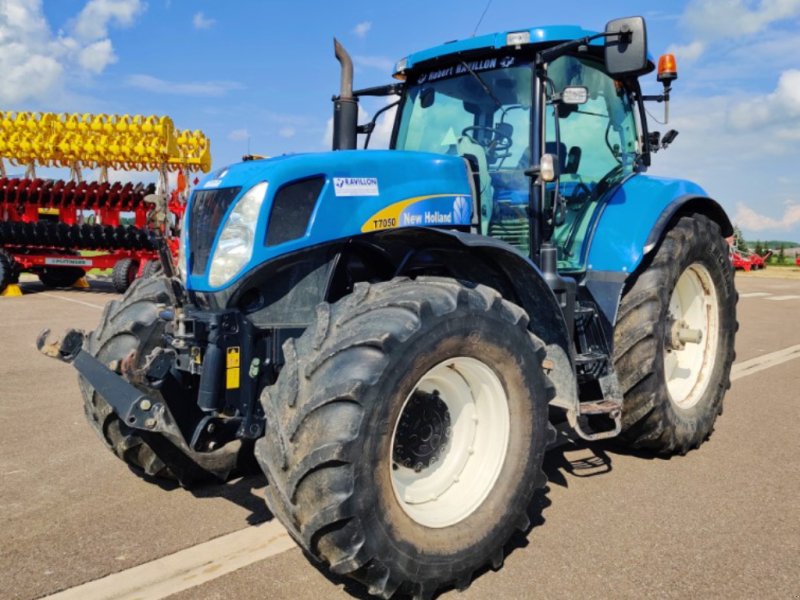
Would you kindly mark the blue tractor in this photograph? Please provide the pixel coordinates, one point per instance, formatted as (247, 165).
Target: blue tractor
(398, 336)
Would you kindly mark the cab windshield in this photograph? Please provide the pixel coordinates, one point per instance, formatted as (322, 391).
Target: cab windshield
(480, 110)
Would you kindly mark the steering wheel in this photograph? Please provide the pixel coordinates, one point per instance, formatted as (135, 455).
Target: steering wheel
(496, 141)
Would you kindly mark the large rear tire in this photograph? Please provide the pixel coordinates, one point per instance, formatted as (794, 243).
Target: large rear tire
(674, 340)
(406, 432)
(132, 324)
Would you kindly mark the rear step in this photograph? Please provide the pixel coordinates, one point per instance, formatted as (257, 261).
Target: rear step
(608, 409)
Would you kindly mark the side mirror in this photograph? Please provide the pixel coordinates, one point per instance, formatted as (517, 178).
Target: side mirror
(626, 47)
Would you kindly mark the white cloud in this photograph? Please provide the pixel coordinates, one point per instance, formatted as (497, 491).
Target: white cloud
(30, 62)
(239, 135)
(93, 21)
(287, 132)
(200, 21)
(718, 20)
(374, 62)
(186, 88)
(689, 52)
(731, 160)
(361, 29)
(781, 107)
(97, 56)
(713, 19)
(749, 219)
(35, 63)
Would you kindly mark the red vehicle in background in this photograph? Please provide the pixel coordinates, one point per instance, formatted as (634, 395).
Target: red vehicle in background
(747, 260)
(759, 261)
(739, 261)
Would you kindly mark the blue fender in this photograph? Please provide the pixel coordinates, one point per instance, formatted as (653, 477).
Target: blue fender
(630, 226)
(638, 214)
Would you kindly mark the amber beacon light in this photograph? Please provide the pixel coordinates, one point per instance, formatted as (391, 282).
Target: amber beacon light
(667, 68)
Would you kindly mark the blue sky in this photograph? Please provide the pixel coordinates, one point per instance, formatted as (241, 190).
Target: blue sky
(262, 74)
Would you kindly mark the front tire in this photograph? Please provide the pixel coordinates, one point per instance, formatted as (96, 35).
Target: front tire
(406, 432)
(674, 340)
(128, 325)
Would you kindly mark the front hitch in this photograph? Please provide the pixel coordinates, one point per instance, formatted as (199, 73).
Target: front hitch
(136, 409)
(65, 350)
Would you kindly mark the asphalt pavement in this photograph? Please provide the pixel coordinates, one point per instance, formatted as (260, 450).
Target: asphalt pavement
(720, 522)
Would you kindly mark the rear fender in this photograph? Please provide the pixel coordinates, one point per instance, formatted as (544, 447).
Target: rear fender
(631, 226)
(638, 214)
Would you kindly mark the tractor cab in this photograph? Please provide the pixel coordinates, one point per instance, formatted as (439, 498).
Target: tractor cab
(491, 99)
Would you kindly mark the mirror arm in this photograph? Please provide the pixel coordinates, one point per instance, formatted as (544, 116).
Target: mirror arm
(392, 89)
(368, 128)
(549, 55)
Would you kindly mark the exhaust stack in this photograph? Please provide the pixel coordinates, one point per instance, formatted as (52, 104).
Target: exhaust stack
(345, 106)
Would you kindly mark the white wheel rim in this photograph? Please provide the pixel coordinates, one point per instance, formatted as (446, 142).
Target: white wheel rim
(694, 305)
(471, 453)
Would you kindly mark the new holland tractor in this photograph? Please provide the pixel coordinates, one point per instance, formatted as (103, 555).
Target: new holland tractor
(397, 335)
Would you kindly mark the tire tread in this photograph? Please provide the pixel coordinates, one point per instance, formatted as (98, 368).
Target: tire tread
(301, 453)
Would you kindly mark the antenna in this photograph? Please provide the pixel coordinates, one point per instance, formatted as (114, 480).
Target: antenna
(478, 24)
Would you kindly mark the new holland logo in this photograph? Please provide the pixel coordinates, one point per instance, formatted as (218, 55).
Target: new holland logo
(461, 211)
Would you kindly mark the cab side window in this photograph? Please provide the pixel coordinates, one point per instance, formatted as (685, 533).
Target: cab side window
(598, 148)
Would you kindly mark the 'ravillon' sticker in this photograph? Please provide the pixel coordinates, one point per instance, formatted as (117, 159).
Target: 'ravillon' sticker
(356, 186)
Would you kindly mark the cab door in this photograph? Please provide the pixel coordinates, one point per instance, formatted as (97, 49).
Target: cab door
(597, 149)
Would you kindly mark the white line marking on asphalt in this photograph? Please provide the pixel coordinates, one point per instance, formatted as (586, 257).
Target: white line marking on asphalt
(759, 363)
(70, 300)
(188, 568)
(204, 562)
(779, 298)
(753, 294)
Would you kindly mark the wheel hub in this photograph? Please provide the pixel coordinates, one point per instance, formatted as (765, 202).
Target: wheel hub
(681, 334)
(692, 336)
(422, 432)
(449, 442)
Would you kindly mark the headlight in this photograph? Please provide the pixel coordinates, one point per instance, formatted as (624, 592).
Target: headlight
(236, 241)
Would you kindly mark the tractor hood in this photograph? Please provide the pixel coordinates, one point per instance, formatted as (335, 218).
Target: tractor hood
(311, 199)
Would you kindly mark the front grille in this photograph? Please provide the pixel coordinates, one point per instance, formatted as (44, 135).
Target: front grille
(292, 208)
(208, 209)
